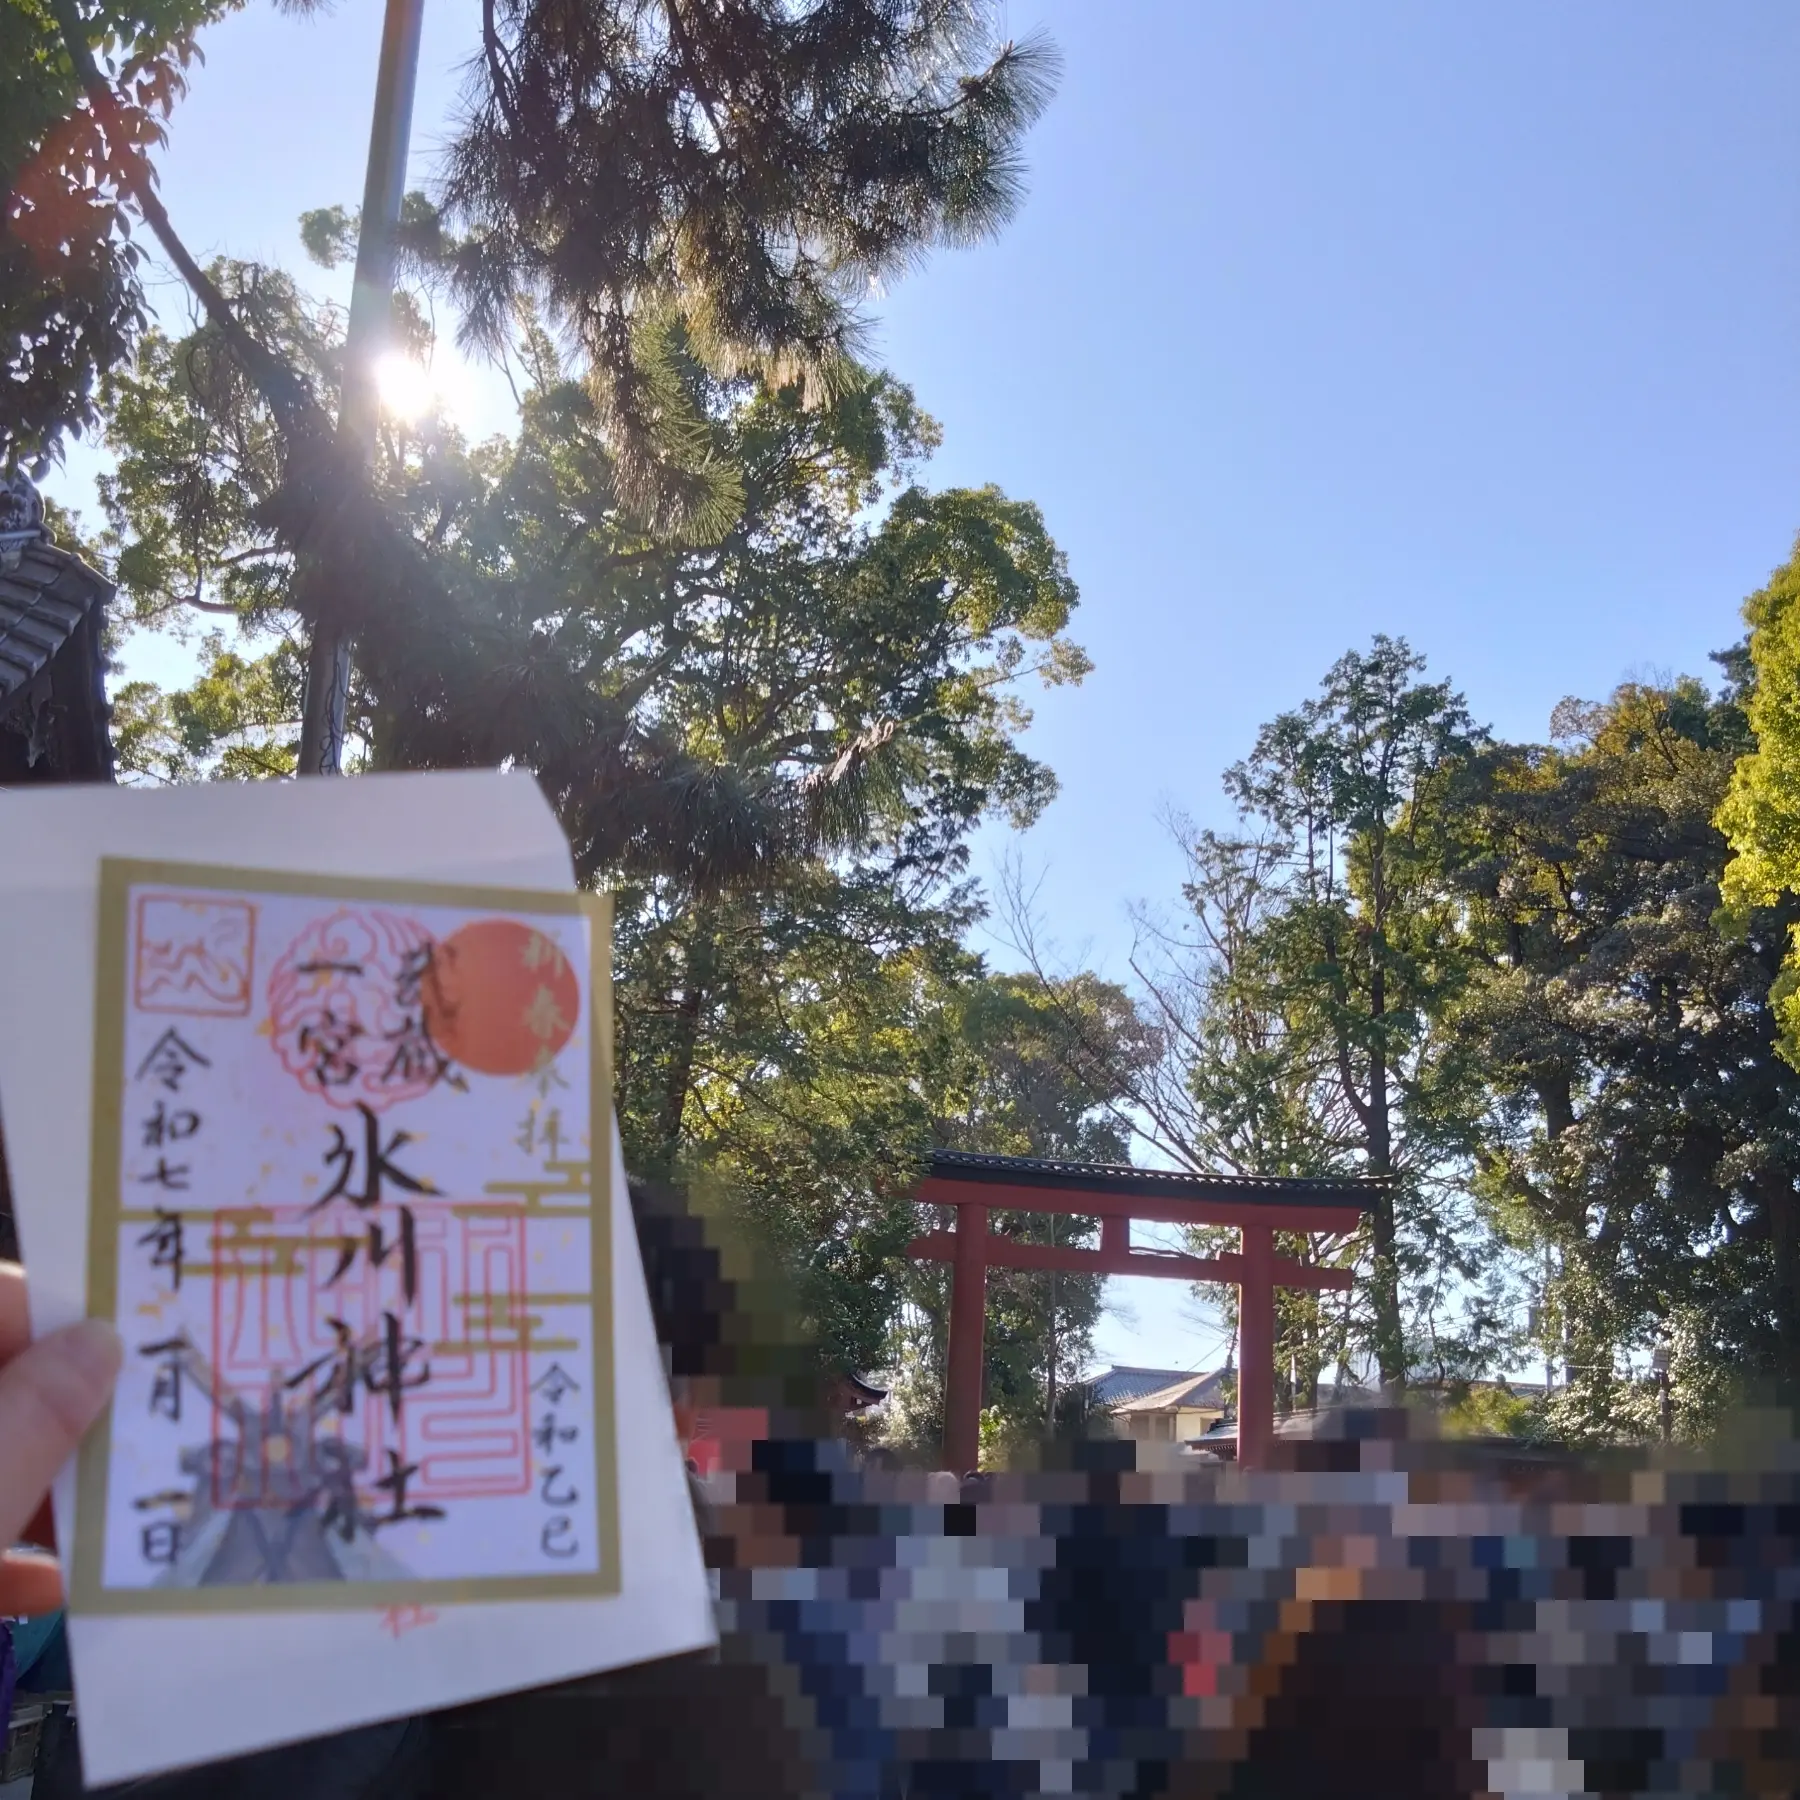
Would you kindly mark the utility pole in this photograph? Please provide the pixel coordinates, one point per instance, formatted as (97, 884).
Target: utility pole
(1659, 1364)
(371, 310)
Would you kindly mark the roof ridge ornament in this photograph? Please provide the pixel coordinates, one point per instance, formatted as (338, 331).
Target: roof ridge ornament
(21, 517)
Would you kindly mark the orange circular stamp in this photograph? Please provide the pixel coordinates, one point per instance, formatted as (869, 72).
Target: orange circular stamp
(500, 997)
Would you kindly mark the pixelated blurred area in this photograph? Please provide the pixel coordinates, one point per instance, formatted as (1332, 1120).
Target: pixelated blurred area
(1380, 1613)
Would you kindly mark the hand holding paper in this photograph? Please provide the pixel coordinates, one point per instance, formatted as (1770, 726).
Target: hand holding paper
(50, 1393)
(315, 1107)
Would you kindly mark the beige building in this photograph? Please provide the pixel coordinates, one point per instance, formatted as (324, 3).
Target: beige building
(1177, 1413)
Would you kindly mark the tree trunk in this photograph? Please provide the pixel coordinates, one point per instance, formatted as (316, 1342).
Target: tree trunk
(702, 958)
(384, 740)
(1784, 1241)
(1310, 1356)
(1390, 1338)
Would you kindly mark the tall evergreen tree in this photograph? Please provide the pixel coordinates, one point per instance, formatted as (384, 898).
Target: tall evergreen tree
(1299, 1003)
(749, 168)
(1639, 1128)
(1361, 785)
(698, 707)
(695, 195)
(852, 644)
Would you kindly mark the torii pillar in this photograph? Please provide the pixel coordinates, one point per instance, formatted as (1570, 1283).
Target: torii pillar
(1257, 1206)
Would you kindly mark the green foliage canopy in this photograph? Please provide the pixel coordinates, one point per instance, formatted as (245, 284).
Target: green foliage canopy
(71, 294)
(1760, 814)
(745, 171)
(1639, 1133)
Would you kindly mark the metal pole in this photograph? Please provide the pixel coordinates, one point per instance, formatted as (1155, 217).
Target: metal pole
(371, 306)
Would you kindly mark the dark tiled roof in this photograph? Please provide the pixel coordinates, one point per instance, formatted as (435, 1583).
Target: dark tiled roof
(1117, 1178)
(1116, 1386)
(1204, 1389)
(44, 596)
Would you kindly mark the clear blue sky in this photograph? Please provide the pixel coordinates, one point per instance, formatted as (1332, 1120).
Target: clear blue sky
(1471, 324)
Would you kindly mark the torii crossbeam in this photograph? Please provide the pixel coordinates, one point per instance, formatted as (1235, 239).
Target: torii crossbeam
(1258, 1206)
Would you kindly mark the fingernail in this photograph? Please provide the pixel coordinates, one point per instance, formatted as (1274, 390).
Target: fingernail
(91, 1348)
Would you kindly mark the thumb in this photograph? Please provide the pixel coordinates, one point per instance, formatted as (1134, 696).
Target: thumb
(49, 1395)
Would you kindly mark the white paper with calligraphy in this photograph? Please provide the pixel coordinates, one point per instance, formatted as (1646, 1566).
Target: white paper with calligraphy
(353, 1247)
(261, 1156)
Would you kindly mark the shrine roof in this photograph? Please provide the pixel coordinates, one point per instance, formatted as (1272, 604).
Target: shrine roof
(45, 593)
(1119, 1178)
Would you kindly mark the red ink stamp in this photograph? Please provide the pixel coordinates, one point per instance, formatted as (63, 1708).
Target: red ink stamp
(397, 1621)
(194, 956)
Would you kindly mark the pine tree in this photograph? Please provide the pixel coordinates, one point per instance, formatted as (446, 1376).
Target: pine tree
(744, 168)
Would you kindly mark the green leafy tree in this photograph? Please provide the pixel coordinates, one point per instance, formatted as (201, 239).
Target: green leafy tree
(1239, 1072)
(71, 294)
(1002, 1084)
(196, 454)
(694, 198)
(1361, 784)
(798, 1068)
(682, 188)
(1760, 814)
(1245, 1085)
(853, 643)
(708, 706)
(780, 1035)
(1297, 1004)
(1639, 1130)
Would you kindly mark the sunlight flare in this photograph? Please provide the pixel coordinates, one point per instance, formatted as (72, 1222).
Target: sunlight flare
(408, 392)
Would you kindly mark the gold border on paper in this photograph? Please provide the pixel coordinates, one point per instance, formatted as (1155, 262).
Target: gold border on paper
(88, 1592)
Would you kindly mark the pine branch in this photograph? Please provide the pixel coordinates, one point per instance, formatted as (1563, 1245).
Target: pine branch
(284, 390)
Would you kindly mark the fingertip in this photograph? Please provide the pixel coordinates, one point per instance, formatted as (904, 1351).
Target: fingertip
(89, 1351)
(30, 1586)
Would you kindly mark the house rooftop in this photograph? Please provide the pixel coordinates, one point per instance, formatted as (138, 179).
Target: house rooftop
(1202, 1390)
(1124, 1382)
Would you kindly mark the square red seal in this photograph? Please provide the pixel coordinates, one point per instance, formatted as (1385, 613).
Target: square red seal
(193, 955)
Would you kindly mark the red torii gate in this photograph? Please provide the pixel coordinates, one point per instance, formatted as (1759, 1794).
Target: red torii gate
(1259, 1206)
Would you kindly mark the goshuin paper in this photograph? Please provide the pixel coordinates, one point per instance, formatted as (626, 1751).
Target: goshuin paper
(587, 1557)
(344, 1214)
